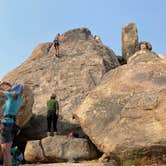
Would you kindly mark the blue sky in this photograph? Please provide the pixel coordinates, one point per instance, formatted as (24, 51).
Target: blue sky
(26, 23)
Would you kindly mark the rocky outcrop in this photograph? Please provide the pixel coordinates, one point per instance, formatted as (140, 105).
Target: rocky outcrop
(162, 56)
(125, 115)
(82, 64)
(122, 111)
(129, 40)
(59, 149)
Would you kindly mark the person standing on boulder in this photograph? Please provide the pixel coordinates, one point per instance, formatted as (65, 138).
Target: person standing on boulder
(52, 114)
(12, 104)
(145, 46)
(56, 44)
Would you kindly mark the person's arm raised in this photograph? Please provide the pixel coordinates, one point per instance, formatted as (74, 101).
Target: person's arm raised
(5, 82)
(2, 93)
(5, 86)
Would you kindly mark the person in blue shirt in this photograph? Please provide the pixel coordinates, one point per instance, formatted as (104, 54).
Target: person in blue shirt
(12, 104)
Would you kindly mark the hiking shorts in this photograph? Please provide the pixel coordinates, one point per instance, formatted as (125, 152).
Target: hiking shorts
(56, 43)
(7, 135)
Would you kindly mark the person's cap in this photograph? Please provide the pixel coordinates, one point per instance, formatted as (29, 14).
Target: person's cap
(53, 95)
(17, 88)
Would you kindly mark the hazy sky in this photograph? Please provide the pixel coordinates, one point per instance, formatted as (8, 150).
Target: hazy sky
(26, 23)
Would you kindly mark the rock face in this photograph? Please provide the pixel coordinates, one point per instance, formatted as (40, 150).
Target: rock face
(83, 62)
(162, 56)
(129, 40)
(125, 115)
(76, 164)
(59, 149)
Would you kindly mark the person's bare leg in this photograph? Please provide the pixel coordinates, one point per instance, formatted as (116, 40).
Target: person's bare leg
(7, 158)
(58, 51)
(55, 50)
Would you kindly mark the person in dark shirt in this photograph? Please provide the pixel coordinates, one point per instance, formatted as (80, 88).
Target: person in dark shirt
(56, 44)
(52, 114)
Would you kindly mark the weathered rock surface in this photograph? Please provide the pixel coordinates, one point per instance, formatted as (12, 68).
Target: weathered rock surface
(83, 62)
(74, 164)
(162, 56)
(129, 40)
(58, 149)
(125, 115)
(33, 151)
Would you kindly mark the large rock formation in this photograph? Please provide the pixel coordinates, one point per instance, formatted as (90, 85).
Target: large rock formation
(59, 149)
(129, 40)
(125, 115)
(82, 64)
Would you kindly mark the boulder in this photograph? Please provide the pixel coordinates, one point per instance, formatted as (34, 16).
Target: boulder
(34, 152)
(82, 64)
(129, 40)
(58, 149)
(125, 114)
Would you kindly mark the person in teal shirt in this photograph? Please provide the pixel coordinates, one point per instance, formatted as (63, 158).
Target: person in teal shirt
(12, 104)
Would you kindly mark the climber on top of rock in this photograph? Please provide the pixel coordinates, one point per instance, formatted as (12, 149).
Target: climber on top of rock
(56, 44)
(145, 46)
(97, 38)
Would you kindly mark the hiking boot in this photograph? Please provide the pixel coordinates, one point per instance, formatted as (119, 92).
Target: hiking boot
(48, 134)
